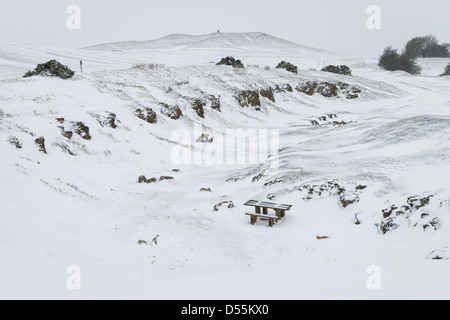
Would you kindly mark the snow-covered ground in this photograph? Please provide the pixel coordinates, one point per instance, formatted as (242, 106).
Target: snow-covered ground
(343, 165)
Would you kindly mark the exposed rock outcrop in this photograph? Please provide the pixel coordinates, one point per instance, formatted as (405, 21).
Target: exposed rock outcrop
(82, 130)
(198, 106)
(64, 148)
(229, 204)
(173, 112)
(146, 114)
(440, 254)
(267, 93)
(40, 142)
(248, 98)
(329, 90)
(108, 120)
(414, 212)
(14, 141)
(347, 194)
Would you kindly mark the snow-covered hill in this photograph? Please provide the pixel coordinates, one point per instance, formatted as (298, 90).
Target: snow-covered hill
(252, 40)
(367, 167)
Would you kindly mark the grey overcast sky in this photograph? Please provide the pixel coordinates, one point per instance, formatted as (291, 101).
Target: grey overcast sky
(336, 25)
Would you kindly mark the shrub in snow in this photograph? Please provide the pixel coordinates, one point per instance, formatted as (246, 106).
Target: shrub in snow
(426, 47)
(51, 68)
(391, 60)
(447, 70)
(148, 66)
(344, 70)
(230, 61)
(287, 66)
(143, 179)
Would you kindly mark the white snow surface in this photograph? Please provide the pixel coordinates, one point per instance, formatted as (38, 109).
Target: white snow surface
(87, 209)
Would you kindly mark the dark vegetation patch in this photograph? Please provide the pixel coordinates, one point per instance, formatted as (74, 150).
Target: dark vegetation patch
(51, 68)
(230, 61)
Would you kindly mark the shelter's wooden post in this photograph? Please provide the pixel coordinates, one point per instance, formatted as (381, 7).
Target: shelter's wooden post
(258, 210)
(278, 213)
(265, 211)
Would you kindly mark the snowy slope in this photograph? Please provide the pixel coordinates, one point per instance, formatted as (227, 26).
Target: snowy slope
(80, 204)
(174, 50)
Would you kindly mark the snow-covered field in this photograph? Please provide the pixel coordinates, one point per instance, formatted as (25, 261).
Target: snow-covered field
(371, 173)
